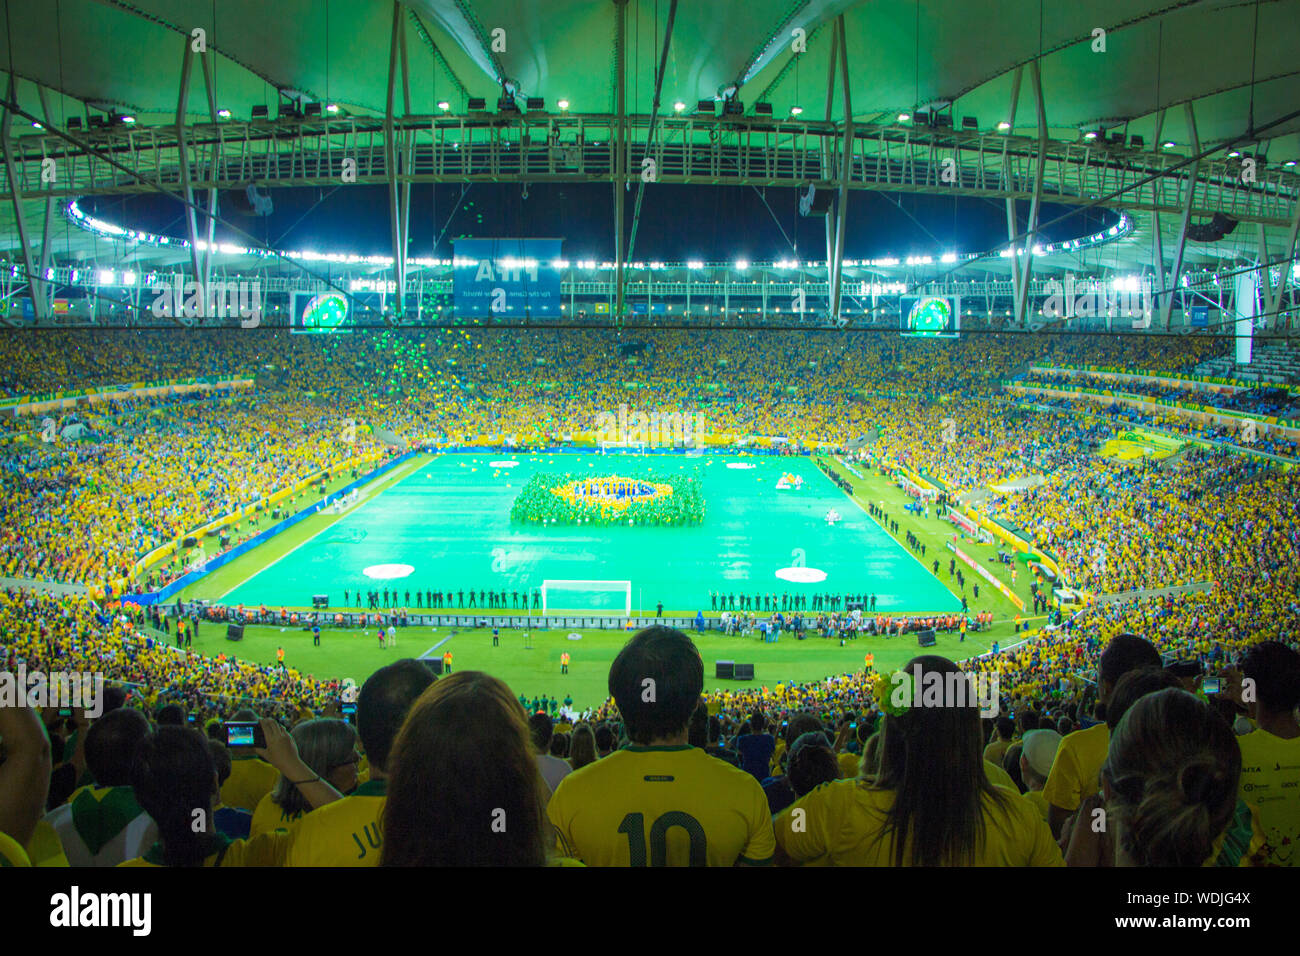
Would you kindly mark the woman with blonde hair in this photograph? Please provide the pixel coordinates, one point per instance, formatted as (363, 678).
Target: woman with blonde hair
(329, 747)
(464, 788)
(1170, 781)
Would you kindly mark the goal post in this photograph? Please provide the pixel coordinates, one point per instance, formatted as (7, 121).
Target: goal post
(622, 447)
(586, 598)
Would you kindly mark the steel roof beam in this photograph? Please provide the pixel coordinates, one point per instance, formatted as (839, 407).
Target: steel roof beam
(1167, 301)
(1031, 232)
(846, 165)
(35, 285)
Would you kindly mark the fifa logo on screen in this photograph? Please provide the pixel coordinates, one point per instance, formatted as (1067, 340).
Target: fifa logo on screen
(1127, 298)
(653, 428)
(216, 300)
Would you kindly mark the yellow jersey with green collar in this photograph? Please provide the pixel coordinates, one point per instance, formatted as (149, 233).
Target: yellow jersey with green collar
(343, 833)
(270, 817)
(662, 806)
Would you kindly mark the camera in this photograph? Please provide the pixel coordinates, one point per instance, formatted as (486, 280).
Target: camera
(244, 733)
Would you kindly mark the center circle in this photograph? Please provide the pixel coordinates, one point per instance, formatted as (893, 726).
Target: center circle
(387, 572)
(801, 575)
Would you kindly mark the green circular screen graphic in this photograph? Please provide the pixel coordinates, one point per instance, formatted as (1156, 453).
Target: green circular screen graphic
(325, 312)
(930, 316)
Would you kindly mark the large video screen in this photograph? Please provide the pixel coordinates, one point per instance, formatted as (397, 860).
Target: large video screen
(507, 277)
(931, 316)
(320, 313)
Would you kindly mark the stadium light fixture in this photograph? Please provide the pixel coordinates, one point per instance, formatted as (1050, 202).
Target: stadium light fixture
(904, 117)
(444, 105)
(1234, 154)
(223, 114)
(1091, 134)
(796, 110)
(678, 106)
(563, 104)
(695, 264)
(1003, 126)
(1168, 144)
(1289, 162)
(128, 278)
(36, 125)
(106, 276)
(128, 119)
(332, 108)
(741, 265)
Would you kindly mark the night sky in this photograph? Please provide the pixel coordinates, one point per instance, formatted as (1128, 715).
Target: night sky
(713, 223)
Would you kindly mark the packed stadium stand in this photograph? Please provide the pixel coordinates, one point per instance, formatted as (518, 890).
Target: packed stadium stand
(1083, 527)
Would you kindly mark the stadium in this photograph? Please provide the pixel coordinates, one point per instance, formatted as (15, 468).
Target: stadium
(820, 433)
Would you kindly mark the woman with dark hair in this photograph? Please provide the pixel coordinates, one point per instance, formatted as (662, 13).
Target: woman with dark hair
(930, 802)
(1169, 781)
(175, 781)
(582, 750)
(464, 788)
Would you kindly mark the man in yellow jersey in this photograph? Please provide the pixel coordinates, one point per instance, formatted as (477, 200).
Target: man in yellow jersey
(1270, 755)
(659, 801)
(1081, 754)
(346, 832)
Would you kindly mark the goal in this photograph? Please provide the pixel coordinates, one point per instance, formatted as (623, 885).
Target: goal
(587, 597)
(622, 448)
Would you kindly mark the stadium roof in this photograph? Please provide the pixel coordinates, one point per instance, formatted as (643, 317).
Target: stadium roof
(903, 54)
(1233, 62)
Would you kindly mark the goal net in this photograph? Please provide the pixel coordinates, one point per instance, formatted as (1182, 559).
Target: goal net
(622, 448)
(587, 597)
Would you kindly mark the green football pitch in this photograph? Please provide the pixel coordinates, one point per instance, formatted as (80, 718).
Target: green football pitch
(447, 527)
(443, 523)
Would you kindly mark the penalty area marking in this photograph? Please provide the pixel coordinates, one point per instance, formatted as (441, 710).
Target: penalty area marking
(368, 492)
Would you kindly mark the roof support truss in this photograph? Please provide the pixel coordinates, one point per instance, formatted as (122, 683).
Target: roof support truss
(397, 147)
(1167, 301)
(838, 213)
(620, 149)
(1031, 230)
(35, 284)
